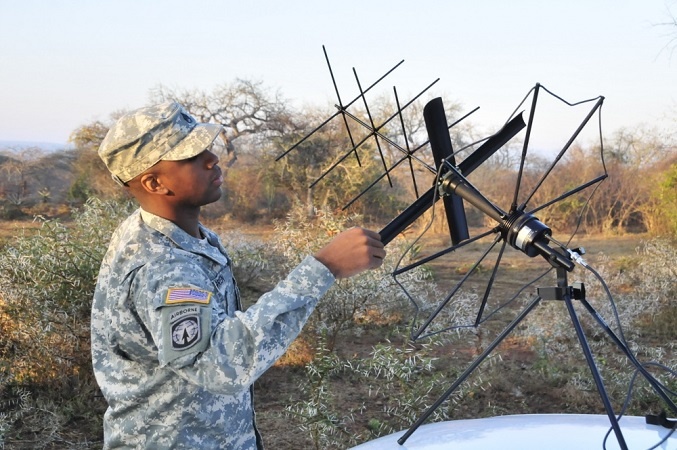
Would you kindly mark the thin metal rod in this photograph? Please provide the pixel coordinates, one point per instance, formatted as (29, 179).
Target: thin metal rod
(443, 303)
(279, 157)
(444, 252)
(408, 156)
(373, 132)
(406, 141)
(338, 96)
(389, 140)
(490, 284)
(373, 126)
(337, 113)
(469, 370)
(525, 147)
(468, 165)
(340, 160)
(517, 294)
(463, 117)
(571, 192)
(592, 365)
(372, 184)
(379, 178)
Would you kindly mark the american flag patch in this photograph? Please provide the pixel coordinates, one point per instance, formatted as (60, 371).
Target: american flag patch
(187, 295)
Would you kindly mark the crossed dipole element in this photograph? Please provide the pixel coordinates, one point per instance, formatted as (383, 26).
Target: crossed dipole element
(516, 227)
(374, 131)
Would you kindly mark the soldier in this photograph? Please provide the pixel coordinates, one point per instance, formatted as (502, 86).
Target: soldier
(173, 353)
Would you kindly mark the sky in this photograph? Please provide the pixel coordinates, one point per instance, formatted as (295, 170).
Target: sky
(65, 63)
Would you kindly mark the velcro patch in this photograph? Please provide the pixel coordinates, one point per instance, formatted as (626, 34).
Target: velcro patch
(187, 295)
(186, 332)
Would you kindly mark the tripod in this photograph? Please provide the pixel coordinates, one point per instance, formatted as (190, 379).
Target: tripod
(566, 293)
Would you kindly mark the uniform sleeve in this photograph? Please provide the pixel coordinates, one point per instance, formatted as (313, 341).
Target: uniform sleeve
(223, 353)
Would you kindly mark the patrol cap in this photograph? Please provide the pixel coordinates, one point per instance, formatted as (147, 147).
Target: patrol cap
(142, 138)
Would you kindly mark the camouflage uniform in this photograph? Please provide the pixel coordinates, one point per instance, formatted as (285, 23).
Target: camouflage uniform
(172, 352)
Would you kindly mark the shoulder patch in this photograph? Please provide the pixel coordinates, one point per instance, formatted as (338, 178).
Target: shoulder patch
(186, 332)
(187, 295)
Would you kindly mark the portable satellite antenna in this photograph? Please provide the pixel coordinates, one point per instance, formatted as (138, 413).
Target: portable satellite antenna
(515, 228)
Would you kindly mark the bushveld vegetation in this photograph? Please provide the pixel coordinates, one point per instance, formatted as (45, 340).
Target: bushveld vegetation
(353, 374)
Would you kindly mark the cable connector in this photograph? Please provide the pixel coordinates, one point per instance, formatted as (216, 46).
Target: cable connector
(576, 257)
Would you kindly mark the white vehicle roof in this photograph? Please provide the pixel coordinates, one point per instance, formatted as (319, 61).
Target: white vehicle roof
(529, 432)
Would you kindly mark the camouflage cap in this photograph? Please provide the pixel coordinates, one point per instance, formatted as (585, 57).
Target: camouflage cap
(138, 140)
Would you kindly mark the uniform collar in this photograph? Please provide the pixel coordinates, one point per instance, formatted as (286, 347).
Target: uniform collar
(212, 248)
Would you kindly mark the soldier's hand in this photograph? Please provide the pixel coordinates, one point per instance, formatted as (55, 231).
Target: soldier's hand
(352, 251)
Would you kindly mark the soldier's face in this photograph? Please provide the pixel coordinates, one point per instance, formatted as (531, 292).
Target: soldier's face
(193, 182)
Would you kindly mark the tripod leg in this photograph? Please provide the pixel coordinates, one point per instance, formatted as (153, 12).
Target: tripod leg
(595, 373)
(652, 381)
(469, 370)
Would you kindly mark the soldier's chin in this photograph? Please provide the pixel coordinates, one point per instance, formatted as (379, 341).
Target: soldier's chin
(216, 197)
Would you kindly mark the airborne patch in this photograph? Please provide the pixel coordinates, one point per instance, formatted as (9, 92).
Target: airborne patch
(187, 295)
(186, 332)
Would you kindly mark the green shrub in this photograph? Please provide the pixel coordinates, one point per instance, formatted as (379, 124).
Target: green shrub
(665, 194)
(400, 377)
(47, 279)
(371, 298)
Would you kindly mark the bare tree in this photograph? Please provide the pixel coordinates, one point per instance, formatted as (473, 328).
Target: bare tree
(15, 184)
(671, 34)
(635, 160)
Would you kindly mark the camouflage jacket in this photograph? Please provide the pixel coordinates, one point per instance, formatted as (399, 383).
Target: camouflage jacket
(174, 356)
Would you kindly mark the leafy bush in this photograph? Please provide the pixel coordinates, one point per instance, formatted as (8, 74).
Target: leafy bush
(371, 298)
(252, 260)
(397, 383)
(47, 279)
(665, 198)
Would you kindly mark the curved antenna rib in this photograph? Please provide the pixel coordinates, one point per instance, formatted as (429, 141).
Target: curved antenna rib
(451, 294)
(573, 137)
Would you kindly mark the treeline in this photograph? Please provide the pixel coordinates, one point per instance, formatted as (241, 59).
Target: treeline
(264, 179)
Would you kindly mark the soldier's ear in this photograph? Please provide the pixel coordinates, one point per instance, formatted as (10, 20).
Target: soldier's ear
(152, 184)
